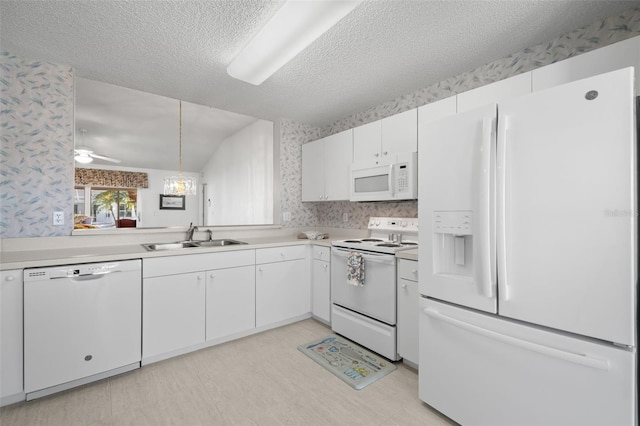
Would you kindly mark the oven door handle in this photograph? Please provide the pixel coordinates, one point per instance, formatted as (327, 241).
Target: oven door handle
(372, 257)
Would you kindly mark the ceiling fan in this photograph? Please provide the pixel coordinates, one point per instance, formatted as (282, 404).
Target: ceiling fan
(84, 154)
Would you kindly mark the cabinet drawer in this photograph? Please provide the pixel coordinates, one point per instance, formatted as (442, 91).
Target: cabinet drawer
(322, 253)
(408, 269)
(279, 254)
(171, 265)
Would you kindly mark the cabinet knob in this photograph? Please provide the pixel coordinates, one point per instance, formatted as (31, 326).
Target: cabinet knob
(10, 278)
(259, 269)
(325, 266)
(282, 253)
(321, 196)
(212, 276)
(377, 154)
(385, 153)
(404, 286)
(414, 271)
(199, 278)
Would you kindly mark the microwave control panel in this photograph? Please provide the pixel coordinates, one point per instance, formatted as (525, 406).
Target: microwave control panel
(402, 178)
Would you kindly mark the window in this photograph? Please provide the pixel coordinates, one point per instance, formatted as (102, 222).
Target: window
(101, 207)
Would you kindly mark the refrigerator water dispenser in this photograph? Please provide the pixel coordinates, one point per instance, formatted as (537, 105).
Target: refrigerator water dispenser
(453, 242)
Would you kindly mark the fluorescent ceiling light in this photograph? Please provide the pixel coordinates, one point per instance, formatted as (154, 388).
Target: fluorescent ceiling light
(293, 27)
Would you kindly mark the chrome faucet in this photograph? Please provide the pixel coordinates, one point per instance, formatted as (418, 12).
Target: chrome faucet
(210, 232)
(190, 231)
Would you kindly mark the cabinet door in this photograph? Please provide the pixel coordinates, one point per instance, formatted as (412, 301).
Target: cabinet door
(610, 58)
(400, 133)
(437, 110)
(313, 171)
(408, 320)
(337, 164)
(173, 313)
(10, 333)
(321, 290)
(282, 292)
(367, 142)
(495, 92)
(231, 298)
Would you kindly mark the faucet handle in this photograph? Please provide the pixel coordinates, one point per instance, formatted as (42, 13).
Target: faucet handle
(210, 232)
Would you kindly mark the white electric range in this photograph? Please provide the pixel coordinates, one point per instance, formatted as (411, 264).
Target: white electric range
(366, 313)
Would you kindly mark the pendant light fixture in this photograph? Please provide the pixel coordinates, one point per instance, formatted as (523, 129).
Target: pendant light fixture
(179, 185)
(289, 31)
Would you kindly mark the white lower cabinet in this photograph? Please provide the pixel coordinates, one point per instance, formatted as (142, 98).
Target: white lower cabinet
(408, 318)
(11, 384)
(231, 301)
(282, 285)
(173, 313)
(321, 283)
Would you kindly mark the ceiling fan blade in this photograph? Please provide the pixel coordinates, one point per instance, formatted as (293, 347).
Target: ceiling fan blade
(101, 157)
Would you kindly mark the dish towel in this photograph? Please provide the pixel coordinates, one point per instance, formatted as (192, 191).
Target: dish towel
(355, 269)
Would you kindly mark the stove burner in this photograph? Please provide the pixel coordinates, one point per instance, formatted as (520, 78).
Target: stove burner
(375, 240)
(388, 245)
(352, 241)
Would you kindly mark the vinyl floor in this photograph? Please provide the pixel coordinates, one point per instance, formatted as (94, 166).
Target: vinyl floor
(257, 380)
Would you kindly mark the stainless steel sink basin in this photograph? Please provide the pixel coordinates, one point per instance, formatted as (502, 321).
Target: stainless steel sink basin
(219, 243)
(190, 244)
(170, 246)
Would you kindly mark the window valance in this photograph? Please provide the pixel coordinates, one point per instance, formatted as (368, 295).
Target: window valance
(111, 178)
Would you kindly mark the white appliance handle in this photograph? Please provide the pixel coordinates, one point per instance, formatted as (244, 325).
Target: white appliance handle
(584, 360)
(372, 257)
(486, 211)
(392, 186)
(501, 176)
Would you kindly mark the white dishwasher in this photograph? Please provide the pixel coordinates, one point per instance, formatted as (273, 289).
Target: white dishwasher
(81, 323)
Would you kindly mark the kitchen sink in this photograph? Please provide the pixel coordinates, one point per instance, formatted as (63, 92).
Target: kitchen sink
(219, 243)
(170, 246)
(191, 244)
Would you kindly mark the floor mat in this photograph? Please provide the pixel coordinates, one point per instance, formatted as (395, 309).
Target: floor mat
(351, 363)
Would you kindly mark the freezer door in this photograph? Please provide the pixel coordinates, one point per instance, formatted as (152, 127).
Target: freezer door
(479, 369)
(567, 208)
(457, 209)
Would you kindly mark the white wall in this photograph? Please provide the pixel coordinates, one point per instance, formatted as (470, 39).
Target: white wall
(239, 178)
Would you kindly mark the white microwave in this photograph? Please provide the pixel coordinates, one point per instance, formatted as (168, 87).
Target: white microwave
(395, 180)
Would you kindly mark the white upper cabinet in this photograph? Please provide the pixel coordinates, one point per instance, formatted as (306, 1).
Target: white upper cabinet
(609, 58)
(495, 92)
(437, 110)
(367, 141)
(375, 142)
(325, 167)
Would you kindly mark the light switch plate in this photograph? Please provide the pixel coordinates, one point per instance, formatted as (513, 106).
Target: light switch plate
(58, 218)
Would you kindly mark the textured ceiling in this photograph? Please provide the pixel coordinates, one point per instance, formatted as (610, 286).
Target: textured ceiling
(382, 50)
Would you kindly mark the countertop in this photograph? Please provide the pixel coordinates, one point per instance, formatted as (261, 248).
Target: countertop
(50, 257)
(408, 254)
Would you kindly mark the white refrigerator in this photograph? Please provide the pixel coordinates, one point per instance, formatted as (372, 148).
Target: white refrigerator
(528, 258)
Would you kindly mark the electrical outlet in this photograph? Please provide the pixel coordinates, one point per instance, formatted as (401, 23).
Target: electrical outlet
(58, 218)
(286, 216)
(345, 217)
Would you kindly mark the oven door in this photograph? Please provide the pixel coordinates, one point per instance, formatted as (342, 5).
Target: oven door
(377, 297)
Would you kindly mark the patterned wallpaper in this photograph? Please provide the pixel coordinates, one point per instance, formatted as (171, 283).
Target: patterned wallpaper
(36, 155)
(598, 34)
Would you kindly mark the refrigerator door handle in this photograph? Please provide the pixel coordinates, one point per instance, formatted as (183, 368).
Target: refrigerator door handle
(501, 176)
(486, 210)
(575, 358)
